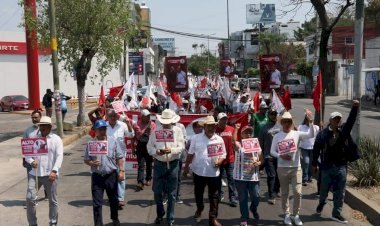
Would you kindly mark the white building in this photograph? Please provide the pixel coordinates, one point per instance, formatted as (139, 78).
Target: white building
(13, 71)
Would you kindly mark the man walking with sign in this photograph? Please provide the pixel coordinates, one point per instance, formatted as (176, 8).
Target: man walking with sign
(284, 147)
(119, 130)
(206, 154)
(46, 166)
(104, 155)
(166, 145)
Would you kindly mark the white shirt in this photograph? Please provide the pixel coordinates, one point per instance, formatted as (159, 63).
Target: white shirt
(202, 164)
(181, 77)
(308, 143)
(118, 132)
(176, 147)
(31, 132)
(275, 77)
(234, 99)
(243, 107)
(51, 161)
(292, 137)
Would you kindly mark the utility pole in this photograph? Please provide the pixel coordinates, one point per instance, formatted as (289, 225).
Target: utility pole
(54, 59)
(228, 29)
(359, 24)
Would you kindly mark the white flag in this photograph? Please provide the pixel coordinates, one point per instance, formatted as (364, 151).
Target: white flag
(276, 103)
(161, 92)
(150, 94)
(130, 87)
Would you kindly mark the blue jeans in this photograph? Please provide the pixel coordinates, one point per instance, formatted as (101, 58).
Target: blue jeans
(165, 181)
(273, 183)
(229, 169)
(253, 189)
(121, 187)
(335, 177)
(305, 163)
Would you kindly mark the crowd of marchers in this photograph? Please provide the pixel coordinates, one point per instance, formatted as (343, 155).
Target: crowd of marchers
(214, 152)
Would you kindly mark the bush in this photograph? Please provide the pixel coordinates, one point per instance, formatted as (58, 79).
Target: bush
(367, 169)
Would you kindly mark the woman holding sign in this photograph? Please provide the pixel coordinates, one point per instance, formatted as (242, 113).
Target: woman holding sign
(284, 147)
(248, 159)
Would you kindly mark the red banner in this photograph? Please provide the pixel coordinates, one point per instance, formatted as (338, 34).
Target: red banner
(226, 68)
(267, 65)
(17, 48)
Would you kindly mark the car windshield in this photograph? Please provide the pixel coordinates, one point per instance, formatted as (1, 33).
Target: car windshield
(18, 98)
(292, 82)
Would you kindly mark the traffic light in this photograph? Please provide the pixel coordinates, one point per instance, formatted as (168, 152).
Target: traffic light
(254, 39)
(139, 68)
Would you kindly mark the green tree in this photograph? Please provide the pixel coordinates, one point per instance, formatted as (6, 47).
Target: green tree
(86, 29)
(198, 63)
(372, 11)
(269, 42)
(195, 47)
(308, 28)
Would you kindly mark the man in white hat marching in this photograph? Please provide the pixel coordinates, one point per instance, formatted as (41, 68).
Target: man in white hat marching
(46, 168)
(166, 156)
(206, 154)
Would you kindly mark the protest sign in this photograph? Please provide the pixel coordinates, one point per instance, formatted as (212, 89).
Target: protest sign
(286, 147)
(165, 135)
(251, 145)
(34, 146)
(97, 148)
(119, 106)
(214, 150)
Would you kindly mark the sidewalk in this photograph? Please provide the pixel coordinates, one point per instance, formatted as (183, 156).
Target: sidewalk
(75, 205)
(342, 100)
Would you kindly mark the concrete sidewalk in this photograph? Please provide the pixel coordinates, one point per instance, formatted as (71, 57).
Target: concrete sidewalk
(75, 203)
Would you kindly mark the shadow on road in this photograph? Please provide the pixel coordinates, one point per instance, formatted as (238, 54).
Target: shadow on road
(12, 203)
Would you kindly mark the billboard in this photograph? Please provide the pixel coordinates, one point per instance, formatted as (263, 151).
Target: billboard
(167, 44)
(268, 64)
(261, 13)
(176, 74)
(136, 61)
(226, 68)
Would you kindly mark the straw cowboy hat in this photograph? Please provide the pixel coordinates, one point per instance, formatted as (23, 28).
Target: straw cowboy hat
(45, 120)
(168, 117)
(209, 120)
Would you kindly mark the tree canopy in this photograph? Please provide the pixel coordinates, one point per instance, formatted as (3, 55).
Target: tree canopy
(198, 63)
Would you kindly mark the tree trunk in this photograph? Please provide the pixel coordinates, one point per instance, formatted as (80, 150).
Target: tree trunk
(324, 67)
(82, 102)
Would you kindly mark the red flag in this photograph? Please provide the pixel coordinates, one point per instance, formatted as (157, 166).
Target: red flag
(256, 101)
(116, 91)
(102, 98)
(176, 98)
(317, 92)
(287, 100)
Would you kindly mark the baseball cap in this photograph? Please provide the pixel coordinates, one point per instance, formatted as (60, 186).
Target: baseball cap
(145, 112)
(100, 124)
(221, 115)
(335, 114)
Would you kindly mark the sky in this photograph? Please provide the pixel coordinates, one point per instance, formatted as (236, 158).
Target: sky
(207, 17)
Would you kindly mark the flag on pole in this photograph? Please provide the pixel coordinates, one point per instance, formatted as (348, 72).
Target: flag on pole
(287, 100)
(256, 102)
(130, 87)
(276, 103)
(102, 98)
(317, 92)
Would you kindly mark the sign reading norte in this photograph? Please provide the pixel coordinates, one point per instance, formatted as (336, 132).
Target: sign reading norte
(167, 44)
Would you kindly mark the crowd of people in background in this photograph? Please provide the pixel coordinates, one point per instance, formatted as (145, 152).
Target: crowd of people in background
(286, 154)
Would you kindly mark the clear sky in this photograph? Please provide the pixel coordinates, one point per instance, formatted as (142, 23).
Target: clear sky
(193, 16)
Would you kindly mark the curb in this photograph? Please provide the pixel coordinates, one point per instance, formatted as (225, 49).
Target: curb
(363, 106)
(69, 139)
(357, 201)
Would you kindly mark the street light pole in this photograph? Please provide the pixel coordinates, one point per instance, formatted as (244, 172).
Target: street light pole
(208, 50)
(228, 30)
(54, 59)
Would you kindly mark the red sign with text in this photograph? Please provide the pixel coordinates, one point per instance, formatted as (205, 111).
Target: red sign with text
(34, 146)
(97, 148)
(164, 135)
(214, 150)
(251, 145)
(287, 146)
(17, 48)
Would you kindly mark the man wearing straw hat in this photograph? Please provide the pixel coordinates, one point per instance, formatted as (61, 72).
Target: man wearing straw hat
(166, 154)
(206, 153)
(45, 172)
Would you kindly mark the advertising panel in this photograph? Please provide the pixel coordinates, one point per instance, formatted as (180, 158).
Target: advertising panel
(167, 44)
(226, 68)
(136, 62)
(268, 65)
(261, 13)
(176, 74)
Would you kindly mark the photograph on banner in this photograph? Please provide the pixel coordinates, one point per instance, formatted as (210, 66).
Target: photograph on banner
(119, 106)
(176, 74)
(97, 148)
(244, 164)
(270, 72)
(287, 146)
(214, 150)
(34, 146)
(226, 68)
(251, 145)
(165, 135)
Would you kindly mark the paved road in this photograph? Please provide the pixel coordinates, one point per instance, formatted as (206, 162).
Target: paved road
(75, 198)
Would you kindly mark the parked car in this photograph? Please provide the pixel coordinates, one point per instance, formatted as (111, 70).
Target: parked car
(14, 102)
(296, 88)
(254, 83)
